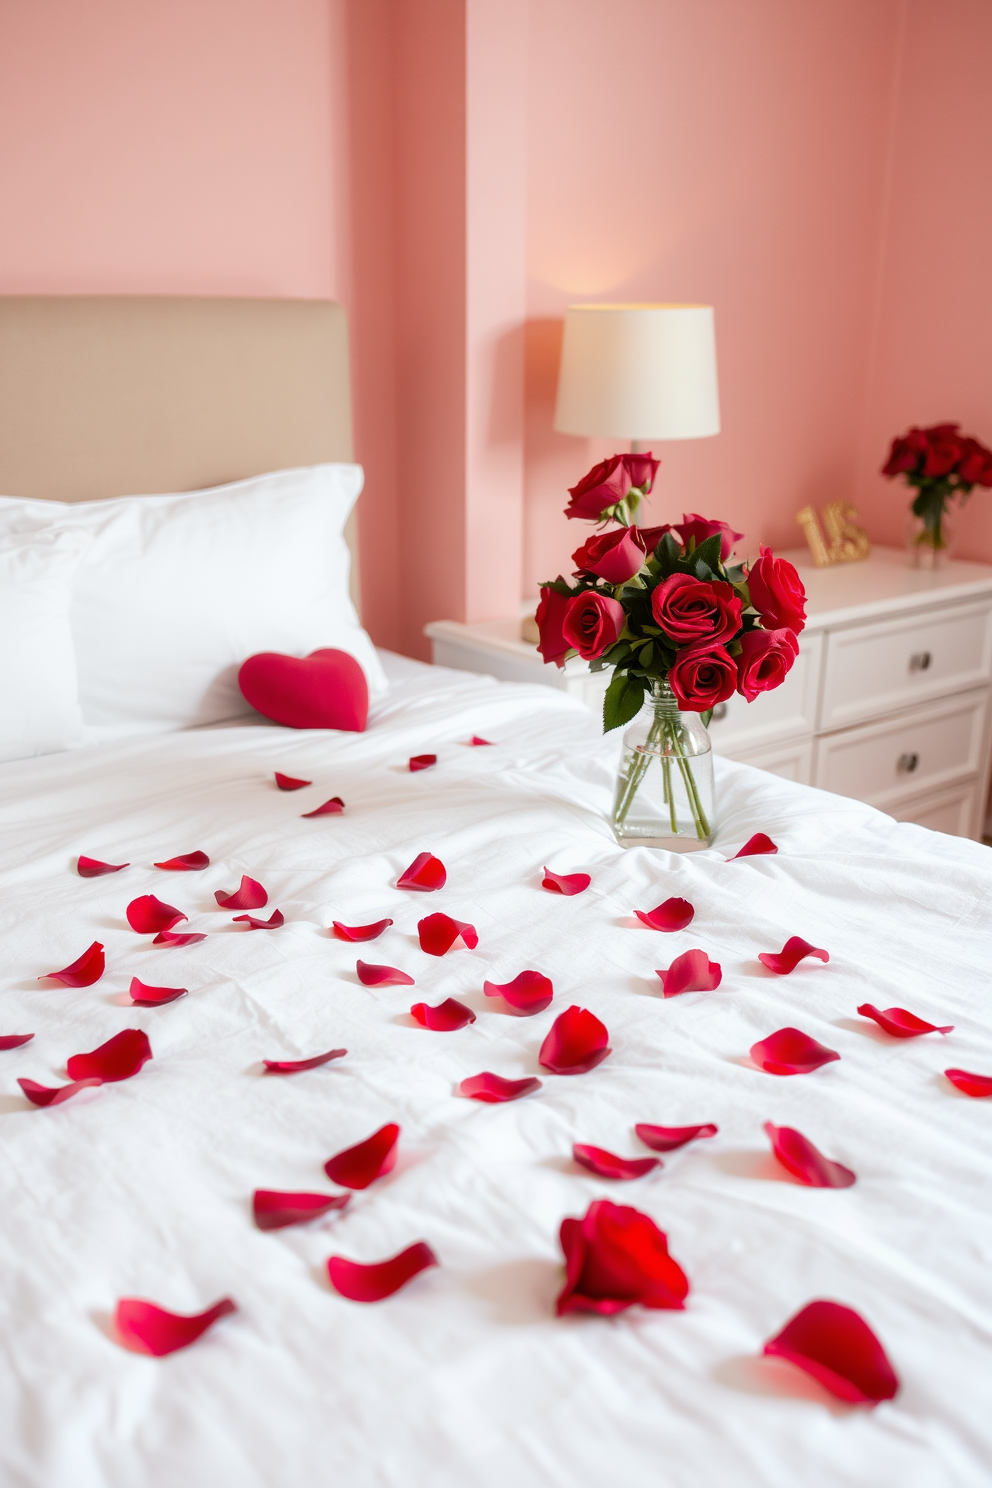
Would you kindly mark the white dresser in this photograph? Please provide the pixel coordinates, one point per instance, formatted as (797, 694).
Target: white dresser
(889, 700)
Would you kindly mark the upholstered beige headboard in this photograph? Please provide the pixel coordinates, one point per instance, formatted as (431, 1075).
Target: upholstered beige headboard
(127, 395)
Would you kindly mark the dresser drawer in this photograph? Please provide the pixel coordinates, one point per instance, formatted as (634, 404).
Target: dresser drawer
(885, 763)
(873, 669)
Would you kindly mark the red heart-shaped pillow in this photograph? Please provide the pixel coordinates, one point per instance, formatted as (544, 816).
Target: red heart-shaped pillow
(325, 690)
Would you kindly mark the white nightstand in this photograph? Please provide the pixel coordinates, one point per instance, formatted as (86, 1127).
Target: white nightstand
(889, 700)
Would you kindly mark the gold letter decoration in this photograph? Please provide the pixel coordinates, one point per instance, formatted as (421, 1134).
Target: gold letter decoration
(848, 543)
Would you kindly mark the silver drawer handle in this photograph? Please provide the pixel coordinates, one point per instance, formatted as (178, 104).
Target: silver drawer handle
(908, 762)
(920, 661)
(719, 713)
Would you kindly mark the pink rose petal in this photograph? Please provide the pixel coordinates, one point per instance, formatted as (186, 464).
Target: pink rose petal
(674, 914)
(788, 958)
(289, 783)
(178, 938)
(791, 1052)
(528, 993)
(494, 1090)
(971, 1084)
(382, 976)
(565, 883)
(668, 1138)
(14, 1040)
(149, 915)
(798, 1156)
(755, 846)
(274, 1210)
(422, 762)
(426, 873)
(693, 971)
(294, 1066)
(576, 1042)
(447, 1017)
(475, 742)
(333, 807)
(189, 863)
(93, 868)
(358, 1166)
(248, 895)
(607, 1165)
(89, 968)
(47, 1095)
(118, 1059)
(372, 1283)
(146, 996)
(276, 918)
(900, 1023)
(836, 1346)
(148, 1329)
(360, 932)
(438, 933)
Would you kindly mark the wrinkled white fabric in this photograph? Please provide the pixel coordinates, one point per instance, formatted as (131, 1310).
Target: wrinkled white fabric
(466, 1379)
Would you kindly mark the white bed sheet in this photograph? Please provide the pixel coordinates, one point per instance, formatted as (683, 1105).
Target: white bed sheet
(466, 1379)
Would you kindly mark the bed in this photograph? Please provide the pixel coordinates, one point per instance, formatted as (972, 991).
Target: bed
(466, 1376)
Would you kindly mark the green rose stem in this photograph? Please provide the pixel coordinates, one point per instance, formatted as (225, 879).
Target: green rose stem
(664, 726)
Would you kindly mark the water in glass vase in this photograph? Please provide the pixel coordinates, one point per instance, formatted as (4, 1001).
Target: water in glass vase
(664, 794)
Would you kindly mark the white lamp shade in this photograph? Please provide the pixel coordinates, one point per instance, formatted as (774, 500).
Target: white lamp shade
(638, 372)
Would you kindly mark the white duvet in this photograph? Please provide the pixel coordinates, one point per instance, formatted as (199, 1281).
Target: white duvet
(466, 1379)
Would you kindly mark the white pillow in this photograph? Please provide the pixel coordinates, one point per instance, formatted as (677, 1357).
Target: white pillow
(174, 592)
(39, 702)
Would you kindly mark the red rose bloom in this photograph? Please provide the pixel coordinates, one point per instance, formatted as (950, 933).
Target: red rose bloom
(550, 614)
(614, 556)
(701, 528)
(944, 450)
(905, 453)
(777, 592)
(605, 485)
(642, 470)
(651, 536)
(689, 610)
(975, 468)
(701, 677)
(592, 622)
(615, 1257)
(766, 659)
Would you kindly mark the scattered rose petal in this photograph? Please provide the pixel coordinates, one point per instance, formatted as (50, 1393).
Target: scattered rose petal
(154, 996)
(14, 1040)
(674, 914)
(447, 1017)
(372, 1283)
(528, 993)
(565, 883)
(46, 1095)
(576, 1042)
(333, 807)
(118, 1059)
(475, 742)
(788, 958)
(93, 868)
(668, 1138)
(189, 863)
(82, 973)
(900, 1023)
(422, 762)
(608, 1165)
(836, 1346)
(791, 1052)
(382, 976)
(288, 782)
(357, 1167)
(149, 915)
(972, 1084)
(755, 847)
(797, 1154)
(294, 1066)
(615, 1257)
(438, 933)
(494, 1090)
(248, 895)
(276, 918)
(178, 938)
(425, 872)
(360, 932)
(693, 971)
(147, 1329)
(274, 1210)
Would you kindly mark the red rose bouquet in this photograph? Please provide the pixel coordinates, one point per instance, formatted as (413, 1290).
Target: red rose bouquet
(940, 464)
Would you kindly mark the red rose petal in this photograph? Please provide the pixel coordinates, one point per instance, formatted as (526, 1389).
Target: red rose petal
(426, 873)
(607, 1165)
(447, 1017)
(294, 1066)
(118, 1059)
(382, 976)
(333, 807)
(46, 1095)
(693, 971)
(274, 1210)
(93, 868)
(797, 1154)
(755, 847)
(900, 1023)
(149, 915)
(668, 1138)
(972, 1084)
(528, 993)
(438, 933)
(422, 762)
(146, 996)
(674, 914)
(565, 883)
(836, 1346)
(147, 1329)
(288, 782)
(576, 1042)
(789, 957)
(14, 1040)
(494, 1090)
(276, 918)
(248, 895)
(615, 1257)
(177, 938)
(360, 932)
(372, 1283)
(82, 973)
(475, 742)
(357, 1167)
(189, 863)
(791, 1052)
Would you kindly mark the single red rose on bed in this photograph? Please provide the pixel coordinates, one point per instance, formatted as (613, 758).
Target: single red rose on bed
(382, 976)
(565, 883)
(698, 529)
(438, 933)
(274, 1210)
(14, 1040)
(118, 1059)
(615, 556)
(576, 1042)
(146, 1328)
(295, 1066)
(602, 487)
(550, 617)
(494, 1090)
(529, 992)
(426, 873)
(177, 938)
(372, 1283)
(276, 918)
(789, 1051)
(325, 690)
(146, 996)
(693, 971)
(788, 958)
(691, 612)
(54, 1095)
(421, 762)
(93, 868)
(192, 862)
(701, 677)
(593, 621)
(616, 1257)
(608, 1165)
(83, 972)
(835, 1345)
(149, 916)
(669, 1138)
(290, 783)
(900, 1023)
(765, 660)
(447, 1017)
(333, 807)
(969, 1083)
(756, 846)
(358, 1166)
(360, 932)
(674, 914)
(642, 469)
(799, 1157)
(248, 895)
(777, 592)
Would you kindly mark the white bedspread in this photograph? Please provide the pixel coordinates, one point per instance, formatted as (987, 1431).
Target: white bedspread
(466, 1379)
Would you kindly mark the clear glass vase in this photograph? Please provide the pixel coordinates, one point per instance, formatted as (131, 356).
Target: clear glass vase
(930, 544)
(664, 794)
